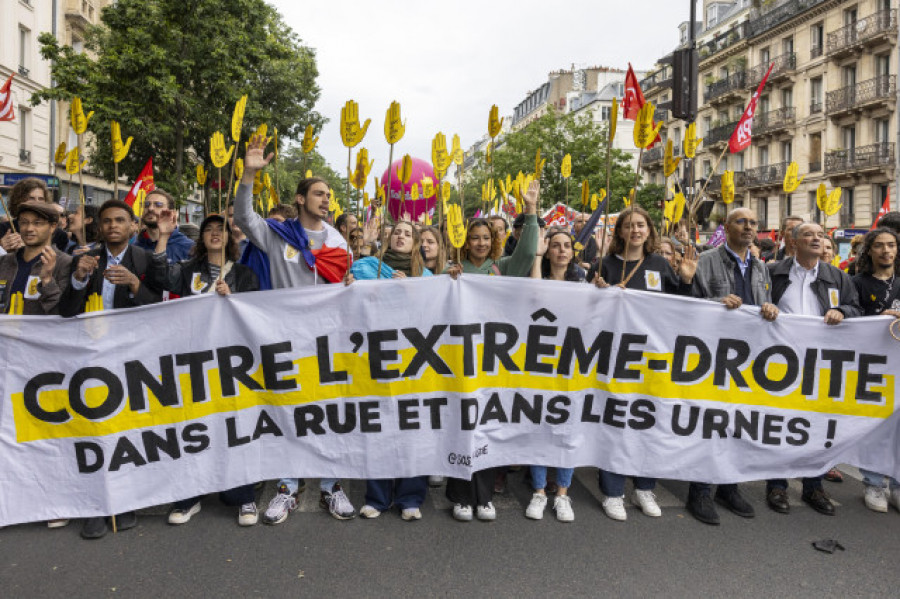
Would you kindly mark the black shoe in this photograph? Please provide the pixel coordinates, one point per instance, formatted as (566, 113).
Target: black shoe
(126, 521)
(94, 528)
(819, 501)
(731, 498)
(301, 486)
(778, 501)
(703, 509)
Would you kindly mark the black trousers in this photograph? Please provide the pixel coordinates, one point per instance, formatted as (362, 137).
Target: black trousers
(475, 492)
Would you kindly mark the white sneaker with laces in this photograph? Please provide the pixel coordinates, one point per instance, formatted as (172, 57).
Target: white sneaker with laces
(339, 504)
(536, 506)
(279, 508)
(463, 513)
(875, 499)
(183, 516)
(614, 507)
(248, 515)
(411, 513)
(646, 500)
(368, 512)
(894, 498)
(562, 505)
(487, 512)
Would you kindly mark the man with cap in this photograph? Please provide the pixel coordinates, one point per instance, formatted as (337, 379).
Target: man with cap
(513, 239)
(34, 277)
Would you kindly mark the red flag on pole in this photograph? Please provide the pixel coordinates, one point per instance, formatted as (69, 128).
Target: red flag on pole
(6, 103)
(634, 97)
(740, 139)
(885, 208)
(144, 181)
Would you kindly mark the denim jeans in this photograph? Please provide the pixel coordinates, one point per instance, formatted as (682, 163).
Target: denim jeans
(403, 492)
(613, 485)
(293, 484)
(539, 477)
(873, 479)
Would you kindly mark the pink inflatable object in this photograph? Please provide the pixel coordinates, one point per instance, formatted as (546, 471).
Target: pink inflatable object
(420, 170)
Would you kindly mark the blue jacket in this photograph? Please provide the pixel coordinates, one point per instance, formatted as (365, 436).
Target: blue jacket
(178, 248)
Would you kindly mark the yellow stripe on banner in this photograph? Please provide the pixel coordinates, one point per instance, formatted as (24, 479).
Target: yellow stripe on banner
(653, 383)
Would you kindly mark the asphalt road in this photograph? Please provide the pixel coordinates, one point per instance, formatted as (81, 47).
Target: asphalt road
(314, 555)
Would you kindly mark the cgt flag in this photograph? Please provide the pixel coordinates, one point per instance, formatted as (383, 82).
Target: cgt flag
(7, 113)
(885, 208)
(634, 99)
(144, 181)
(743, 133)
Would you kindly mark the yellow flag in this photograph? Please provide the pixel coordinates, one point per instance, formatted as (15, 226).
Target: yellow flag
(73, 162)
(495, 124)
(585, 194)
(309, 142)
(201, 175)
(77, 117)
(139, 200)
(691, 142)
(404, 171)
(237, 118)
(394, 127)
(613, 120)
(351, 132)
(728, 187)
(566, 168)
(427, 187)
(670, 163)
(456, 152)
(217, 152)
(539, 164)
(833, 203)
(791, 182)
(119, 149)
(644, 131)
(456, 230)
(414, 192)
(60, 156)
(821, 196)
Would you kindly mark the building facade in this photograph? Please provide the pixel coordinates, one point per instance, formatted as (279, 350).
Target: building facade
(830, 105)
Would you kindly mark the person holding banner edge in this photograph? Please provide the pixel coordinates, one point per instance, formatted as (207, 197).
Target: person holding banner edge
(481, 255)
(731, 275)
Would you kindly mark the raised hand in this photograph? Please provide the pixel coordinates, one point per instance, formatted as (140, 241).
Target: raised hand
(255, 158)
(688, 267)
(532, 196)
(11, 242)
(86, 266)
(48, 263)
(166, 222)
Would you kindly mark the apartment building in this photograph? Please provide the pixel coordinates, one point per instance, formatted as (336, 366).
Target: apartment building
(830, 105)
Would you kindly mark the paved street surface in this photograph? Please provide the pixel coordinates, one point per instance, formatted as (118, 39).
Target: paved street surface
(314, 555)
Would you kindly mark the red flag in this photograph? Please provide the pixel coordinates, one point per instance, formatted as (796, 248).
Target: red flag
(885, 208)
(634, 97)
(740, 139)
(145, 181)
(6, 103)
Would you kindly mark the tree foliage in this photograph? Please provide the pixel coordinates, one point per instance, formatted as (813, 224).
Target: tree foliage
(556, 135)
(171, 72)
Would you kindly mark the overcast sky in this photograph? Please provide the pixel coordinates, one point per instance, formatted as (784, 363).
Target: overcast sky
(448, 62)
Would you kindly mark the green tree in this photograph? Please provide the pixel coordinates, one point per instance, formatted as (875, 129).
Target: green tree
(171, 72)
(556, 135)
(292, 166)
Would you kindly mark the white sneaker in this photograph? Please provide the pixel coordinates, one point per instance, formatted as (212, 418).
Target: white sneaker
(487, 512)
(535, 509)
(279, 507)
(875, 499)
(411, 513)
(436, 481)
(615, 508)
(58, 523)
(646, 500)
(463, 513)
(339, 504)
(248, 515)
(368, 512)
(183, 516)
(894, 498)
(562, 505)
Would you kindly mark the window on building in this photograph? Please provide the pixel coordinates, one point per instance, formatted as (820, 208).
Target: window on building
(24, 117)
(763, 155)
(739, 162)
(786, 204)
(883, 64)
(817, 40)
(787, 151)
(764, 55)
(787, 97)
(605, 113)
(787, 45)
(848, 208)
(24, 50)
(815, 95)
(77, 45)
(707, 125)
(815, 152)
(707, 168)
(762, 212)
(764, 105)
(884, 5)
(850, 16)
(848, 75)
(848, 137)
(882, 130)
(812, 207)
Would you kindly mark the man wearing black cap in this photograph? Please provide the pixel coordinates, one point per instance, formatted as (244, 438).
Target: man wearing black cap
(37, 273)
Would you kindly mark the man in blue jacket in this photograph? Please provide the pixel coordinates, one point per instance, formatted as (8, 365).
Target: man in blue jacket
(179, 246)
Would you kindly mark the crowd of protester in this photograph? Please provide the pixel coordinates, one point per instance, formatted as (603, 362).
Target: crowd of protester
(54, 262)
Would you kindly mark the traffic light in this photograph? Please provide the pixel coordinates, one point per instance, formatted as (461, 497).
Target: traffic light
(684, 84)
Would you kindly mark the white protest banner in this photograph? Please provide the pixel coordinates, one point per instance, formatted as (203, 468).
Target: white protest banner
(120, 410)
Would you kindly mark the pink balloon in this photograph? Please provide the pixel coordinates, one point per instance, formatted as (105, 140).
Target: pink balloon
(396, 207)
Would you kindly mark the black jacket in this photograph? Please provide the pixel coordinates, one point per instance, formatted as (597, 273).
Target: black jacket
(138, 261)
(180, 278)
(829, 277)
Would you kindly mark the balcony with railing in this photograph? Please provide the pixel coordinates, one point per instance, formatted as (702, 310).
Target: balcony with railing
(766, 176)
(719, 133)
(724, 40)
(664, 106)
(816, 51)
(660, 116)
(654, 156)
(766, 18)
(862, 32)
(815, 107)
(772, 121)
(715, 183)
(782, 66)
(723, 89)
(659, 79)
(882, 89)
(860, 159)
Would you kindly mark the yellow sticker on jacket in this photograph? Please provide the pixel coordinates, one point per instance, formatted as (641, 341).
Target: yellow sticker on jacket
(197, 284)
(653, 280)
(291, 254)
(31, 288)
(834, 297)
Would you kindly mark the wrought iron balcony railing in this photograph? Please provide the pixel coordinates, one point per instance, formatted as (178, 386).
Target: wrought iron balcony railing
(770, 174)
(773, 120)
(862, 158)
(881, 88)
(734, 82)
(861, 31)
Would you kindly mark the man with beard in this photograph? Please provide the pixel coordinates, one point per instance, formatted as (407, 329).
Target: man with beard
(179, 246)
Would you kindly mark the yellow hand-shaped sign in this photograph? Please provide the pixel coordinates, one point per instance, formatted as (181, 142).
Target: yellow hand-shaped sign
(394, 127)
(351, 132)
(585, 194)
(675, 208)
(833, 203)
(16, 303)
(456, 152)
(627, 199)
(495, 124)
(440, 159)
(791, 182)
(201, 175)
(644, 131)
(119, 150)
(691, 141)
(309, 142)
(489, 152)
(414, 192)
(239, 168)
(74, 162)
(60, 156)
(262, 130)
(363, 168)
(597, 198)
(539, 164)
(139, 200)
(456, 230)
(404, 171)
(446, 188)
(727, 187)
(821, 196)
(257, 183)
(670, 163)
(427, 187)
(77, 118)
(488, 191)
(217, 152)
(613, 120)
(237, 118)
(566, 168)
